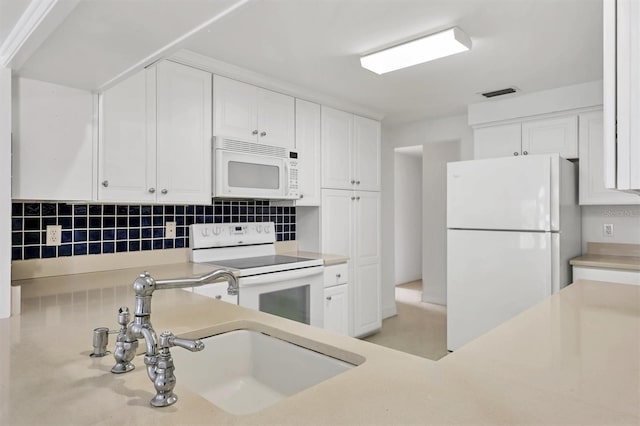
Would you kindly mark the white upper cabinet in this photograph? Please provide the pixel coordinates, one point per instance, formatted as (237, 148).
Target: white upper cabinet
(337, 149)
(622, 94)
(366, 143)
(183, 134)
(248, 113)
(592, 189)
(350, 151)
(497, 141)
(52, 142)
(550, 136)
(155, 138)
(127, 157)
(308, 148)
(556, 135)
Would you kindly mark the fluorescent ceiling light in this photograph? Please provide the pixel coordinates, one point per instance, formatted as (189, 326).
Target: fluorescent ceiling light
(428, 48)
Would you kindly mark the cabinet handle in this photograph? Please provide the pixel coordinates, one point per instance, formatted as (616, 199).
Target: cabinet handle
(255, 132)
(152, 190)
(357, 182)
(263, 133)
(338, 275)
(328, 297)
(164, 191)
(301, 196)
(353, 181)
(358, 198)
(353, 198)
(525, 153)
(105, 183)
(515, 153)
(218, 296)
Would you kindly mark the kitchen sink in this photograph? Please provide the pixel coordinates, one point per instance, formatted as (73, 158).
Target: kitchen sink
(245, 371)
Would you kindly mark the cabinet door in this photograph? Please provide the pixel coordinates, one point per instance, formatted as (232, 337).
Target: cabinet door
(235, 109)
(183, 134)
(336, 309)
(308, 147)
(367, 311)
(550, 136)
(366, 144)
(337, 211)
(592, 188)
(276, 119)
(127, 146)
(337, 149)
(52, 142)
(497, 141)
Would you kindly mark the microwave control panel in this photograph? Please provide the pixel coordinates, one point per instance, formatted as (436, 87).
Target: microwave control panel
(293, 189)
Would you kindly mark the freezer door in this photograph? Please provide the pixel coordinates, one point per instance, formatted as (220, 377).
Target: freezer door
(501, 193)
(491, 277)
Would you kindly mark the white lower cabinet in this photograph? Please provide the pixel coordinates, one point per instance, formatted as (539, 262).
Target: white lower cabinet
(337, 315)
(350, 226)
(155, 137)
(336, 309)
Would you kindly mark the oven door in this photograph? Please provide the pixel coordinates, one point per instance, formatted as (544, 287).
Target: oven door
(244, 175)
(295, 294)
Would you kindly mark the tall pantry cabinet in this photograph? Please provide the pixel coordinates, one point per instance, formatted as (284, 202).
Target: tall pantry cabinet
(350, 209)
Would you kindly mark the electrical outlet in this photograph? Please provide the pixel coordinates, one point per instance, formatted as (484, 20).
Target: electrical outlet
(54, 235)
(607, 230)
(170, 230)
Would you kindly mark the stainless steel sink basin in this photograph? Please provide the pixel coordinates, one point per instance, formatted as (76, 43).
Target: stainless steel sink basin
(244, 371)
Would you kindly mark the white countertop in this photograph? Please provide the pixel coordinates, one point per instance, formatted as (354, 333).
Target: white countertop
(573, 359)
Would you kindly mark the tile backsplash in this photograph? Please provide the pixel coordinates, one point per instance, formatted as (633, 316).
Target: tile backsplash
(115, 228)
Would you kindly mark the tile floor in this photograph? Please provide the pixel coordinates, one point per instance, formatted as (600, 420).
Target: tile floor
(419, 328)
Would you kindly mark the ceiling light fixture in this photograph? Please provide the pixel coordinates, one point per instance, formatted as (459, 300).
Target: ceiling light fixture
(424, 49)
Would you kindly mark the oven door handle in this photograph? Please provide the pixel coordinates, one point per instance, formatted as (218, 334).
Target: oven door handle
(276, 277)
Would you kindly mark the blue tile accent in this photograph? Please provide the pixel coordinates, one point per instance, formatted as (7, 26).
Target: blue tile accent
(108, 247)
(111, 228)
(65, 250)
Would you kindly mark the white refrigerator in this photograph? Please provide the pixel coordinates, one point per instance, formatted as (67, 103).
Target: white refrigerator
(513, 224)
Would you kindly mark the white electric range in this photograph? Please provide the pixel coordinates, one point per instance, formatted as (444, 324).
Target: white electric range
(287, 286)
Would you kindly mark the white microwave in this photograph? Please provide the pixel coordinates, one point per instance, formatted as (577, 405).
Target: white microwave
(250, 170)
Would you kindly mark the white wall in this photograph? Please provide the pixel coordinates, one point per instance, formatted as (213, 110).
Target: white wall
(625, 220)
(408, 217)
(434, 230)
(401, 135)
(5, 193)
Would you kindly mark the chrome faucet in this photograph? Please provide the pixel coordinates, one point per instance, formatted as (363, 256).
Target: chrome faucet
(158, 356)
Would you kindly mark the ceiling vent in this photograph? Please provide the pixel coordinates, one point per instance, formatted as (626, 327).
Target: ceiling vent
(500, 92)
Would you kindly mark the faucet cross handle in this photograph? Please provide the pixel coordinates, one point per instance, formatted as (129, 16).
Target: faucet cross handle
(168, 339)
(163, 378)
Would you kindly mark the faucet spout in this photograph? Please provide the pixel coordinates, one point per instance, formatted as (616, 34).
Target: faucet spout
(211, 277)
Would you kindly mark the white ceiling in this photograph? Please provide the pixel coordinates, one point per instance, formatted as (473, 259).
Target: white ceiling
(316, 44)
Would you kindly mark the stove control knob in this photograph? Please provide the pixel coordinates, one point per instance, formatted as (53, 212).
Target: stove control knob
(216, 230)
(267, 229)
(205, 232)
(258, 229)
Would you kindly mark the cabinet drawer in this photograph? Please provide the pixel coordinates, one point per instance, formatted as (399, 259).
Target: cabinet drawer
(336, 274)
